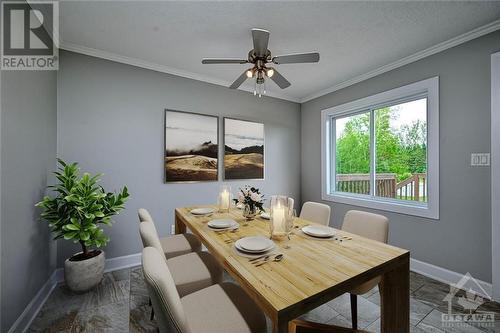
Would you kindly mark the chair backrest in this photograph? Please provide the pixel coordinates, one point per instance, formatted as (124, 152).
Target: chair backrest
(369, 225)
(144, 215)
(149, 236)
(169, 312)
(315, 212)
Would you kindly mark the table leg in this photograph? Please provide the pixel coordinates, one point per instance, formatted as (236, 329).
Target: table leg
(280, 326)
(180, 227)
(395, 299)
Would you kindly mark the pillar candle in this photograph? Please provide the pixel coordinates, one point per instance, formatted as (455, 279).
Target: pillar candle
(224, 200)
(279, 219)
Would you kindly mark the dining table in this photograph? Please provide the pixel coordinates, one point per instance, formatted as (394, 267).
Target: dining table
(312, 271)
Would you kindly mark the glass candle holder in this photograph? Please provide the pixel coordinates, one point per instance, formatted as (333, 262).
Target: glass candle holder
(281, 216)
(224, 199)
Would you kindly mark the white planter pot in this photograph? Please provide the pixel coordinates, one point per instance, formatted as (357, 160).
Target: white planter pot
(83, 275)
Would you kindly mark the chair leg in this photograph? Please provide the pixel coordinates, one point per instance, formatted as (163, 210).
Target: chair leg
(354, 311)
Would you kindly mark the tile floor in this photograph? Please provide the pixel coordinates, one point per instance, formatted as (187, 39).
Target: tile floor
(120, 304)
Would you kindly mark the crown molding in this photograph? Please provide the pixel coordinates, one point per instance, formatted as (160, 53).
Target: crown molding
(161, 68)
(473, 34)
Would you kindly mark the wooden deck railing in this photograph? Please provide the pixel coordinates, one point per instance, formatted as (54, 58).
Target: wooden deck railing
(412, 188)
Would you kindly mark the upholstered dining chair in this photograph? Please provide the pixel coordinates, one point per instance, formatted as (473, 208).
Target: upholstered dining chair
(219, 308)
(315, 212)
(144, 215)
(368, 225)
(173, 245)
(192, 271)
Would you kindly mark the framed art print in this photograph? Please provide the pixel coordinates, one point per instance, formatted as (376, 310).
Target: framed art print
(191, 147)
(243, 149)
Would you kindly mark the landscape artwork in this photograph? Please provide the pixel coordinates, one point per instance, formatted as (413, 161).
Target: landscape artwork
(191, 147)
(243, 149)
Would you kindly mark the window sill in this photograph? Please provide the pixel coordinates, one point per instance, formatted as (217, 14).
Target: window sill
(407, 208)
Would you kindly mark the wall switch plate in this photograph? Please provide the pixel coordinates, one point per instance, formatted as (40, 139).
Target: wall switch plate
(480, 159)
(172, 229)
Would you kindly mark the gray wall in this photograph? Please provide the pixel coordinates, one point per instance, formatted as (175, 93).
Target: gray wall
(111, 120)
(28, 152)
(461, 239)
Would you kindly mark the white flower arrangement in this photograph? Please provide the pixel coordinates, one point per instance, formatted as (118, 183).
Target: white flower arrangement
(251, 196)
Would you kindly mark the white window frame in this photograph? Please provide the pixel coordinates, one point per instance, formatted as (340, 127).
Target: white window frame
(427, 88)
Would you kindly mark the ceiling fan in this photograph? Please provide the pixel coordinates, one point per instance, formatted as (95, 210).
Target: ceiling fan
(260, 57)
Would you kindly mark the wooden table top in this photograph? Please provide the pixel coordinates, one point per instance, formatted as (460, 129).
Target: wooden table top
(312, 272)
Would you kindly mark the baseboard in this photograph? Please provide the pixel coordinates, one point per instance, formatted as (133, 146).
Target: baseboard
(23, 322)
(449, 277)
(118, 263)
(112, 264)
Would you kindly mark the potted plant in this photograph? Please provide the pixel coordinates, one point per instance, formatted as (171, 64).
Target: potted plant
(77, 211)
(252, 201)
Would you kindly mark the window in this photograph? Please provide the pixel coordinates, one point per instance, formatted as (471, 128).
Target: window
(382, 151)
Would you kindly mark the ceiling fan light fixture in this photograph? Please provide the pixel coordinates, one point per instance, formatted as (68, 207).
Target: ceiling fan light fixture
(259, 57)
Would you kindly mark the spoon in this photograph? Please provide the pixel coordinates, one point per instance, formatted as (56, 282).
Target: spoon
(277, 258)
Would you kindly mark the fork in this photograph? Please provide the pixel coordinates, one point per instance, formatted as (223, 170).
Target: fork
(266, 258)
(255, 259)
(230, 240)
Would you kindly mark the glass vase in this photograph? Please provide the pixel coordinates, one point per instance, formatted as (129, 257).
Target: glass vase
(281, 216)
(249, 212)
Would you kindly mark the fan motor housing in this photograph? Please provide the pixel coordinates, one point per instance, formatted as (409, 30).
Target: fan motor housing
(254, 59)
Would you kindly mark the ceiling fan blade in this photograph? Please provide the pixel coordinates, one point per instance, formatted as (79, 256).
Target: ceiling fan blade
(296, 58)
(280, 80)
(239, 81)
(212, 61)
(260, 41)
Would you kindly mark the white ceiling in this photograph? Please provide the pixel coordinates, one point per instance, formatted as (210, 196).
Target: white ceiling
(353, 38)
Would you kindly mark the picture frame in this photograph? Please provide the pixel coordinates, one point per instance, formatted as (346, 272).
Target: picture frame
(244, 149)
(191, 147)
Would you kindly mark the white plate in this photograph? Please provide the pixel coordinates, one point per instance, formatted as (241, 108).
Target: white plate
(202, 211)
(233, 227)
(255, 244)
(318, 231)
(221, 223)
(239, 248)
(265, 216)
(251, 255)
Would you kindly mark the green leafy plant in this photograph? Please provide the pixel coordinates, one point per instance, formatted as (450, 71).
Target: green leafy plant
(402, 151)
(80, 207)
